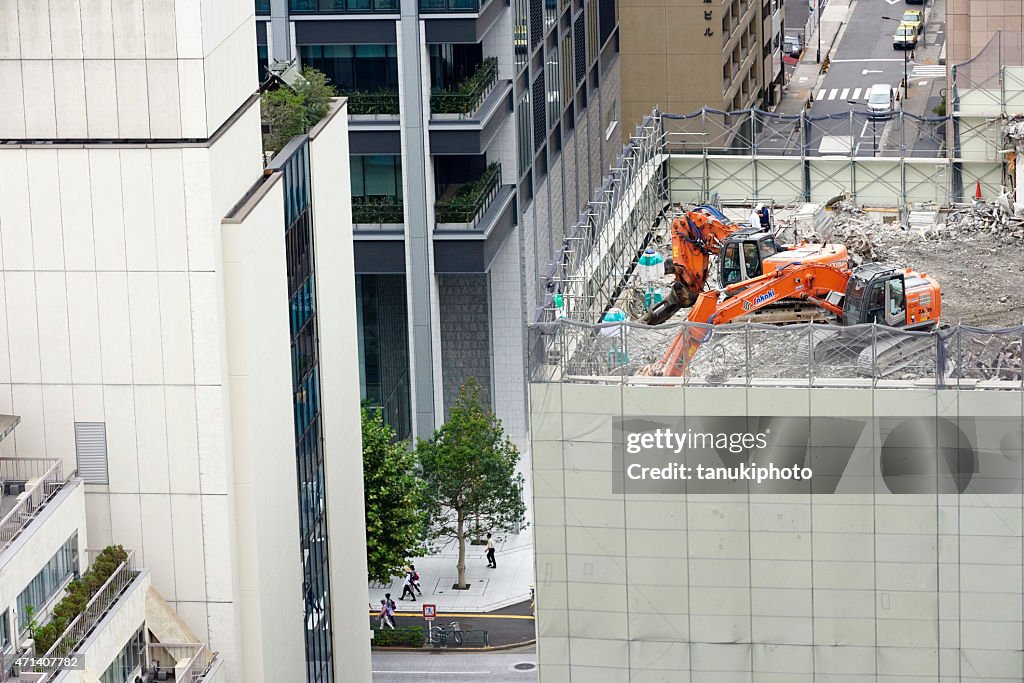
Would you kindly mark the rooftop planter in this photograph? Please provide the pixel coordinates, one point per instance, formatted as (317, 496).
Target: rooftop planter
(465, 99)
(463, 211)
(382, 103)
(377, 212)
(85, 602)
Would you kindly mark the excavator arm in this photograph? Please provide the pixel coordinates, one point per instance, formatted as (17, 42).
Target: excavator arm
(812, 282)
(695, 236)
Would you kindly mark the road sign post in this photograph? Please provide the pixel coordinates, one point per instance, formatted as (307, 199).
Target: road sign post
(429, 613)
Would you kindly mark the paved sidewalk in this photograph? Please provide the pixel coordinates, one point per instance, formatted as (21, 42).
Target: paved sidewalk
(513, 625)
(490, 589)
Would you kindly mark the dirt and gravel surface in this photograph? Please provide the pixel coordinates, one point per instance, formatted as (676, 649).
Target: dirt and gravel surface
(982, 279)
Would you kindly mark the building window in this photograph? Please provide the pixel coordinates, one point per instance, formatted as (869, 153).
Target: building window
(5, 630)
(377, 177)
(553, 84)
(521, 32)
(51, 578)
(333, 6)
(611, 119)
(91, 451)
(129, 661)
(452, 63)
(524, 132)
(384, 348)
(366, 68)
(262, 60)
(309, 455)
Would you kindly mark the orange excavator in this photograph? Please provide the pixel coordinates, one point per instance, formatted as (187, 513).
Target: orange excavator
(744, 254)
(872, 293)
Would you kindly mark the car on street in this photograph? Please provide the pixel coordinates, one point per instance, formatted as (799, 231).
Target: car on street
(881, 101)
(791, 46)
(905, 38)
(913, 17)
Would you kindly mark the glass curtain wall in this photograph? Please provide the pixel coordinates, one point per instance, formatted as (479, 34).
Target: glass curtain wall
(366, 68)
(377, 177)
(129, 661)
(308, 431)
(40, 590)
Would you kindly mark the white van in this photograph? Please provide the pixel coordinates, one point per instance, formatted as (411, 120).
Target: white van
(881, 101)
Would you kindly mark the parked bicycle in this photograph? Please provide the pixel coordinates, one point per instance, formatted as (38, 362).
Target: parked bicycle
(439, 635)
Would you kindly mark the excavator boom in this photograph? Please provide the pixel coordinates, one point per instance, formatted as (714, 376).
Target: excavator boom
(810, 281)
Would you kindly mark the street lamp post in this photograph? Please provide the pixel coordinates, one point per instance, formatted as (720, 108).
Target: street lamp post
(906, 61)
(817, 19)
(874, 137)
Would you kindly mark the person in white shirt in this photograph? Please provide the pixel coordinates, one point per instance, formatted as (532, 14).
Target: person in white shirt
(490, 553)
(755, 218)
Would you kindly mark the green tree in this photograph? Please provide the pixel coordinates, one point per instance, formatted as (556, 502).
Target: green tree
(291, 111)
(395, 521)
(469, 466)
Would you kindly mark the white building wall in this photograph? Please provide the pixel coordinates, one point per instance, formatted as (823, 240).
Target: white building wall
(107, 69)
(874, 587)
(339, 372)
(262, 495)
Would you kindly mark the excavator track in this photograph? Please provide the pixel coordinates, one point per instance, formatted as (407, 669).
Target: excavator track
(891, 354)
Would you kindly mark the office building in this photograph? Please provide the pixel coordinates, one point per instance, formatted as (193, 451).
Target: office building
(681, 55)
(165, 322)
(971, 24)
(477, 130)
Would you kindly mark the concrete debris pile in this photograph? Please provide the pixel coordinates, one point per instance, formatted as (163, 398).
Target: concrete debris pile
(981, 218)
(988, 358)
(852, 226)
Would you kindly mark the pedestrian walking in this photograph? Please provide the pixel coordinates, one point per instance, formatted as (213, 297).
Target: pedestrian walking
(386, 619)
(415, 578)
(391, 603)
(491, 563)
(407, 586)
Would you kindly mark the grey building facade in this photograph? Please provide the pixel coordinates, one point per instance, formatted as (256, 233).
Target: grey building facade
(477, 131)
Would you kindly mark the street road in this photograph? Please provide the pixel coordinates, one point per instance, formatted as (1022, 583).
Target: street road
(863, 56)
(499, 667)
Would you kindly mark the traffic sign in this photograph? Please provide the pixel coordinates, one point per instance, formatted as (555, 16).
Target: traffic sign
(429, 612)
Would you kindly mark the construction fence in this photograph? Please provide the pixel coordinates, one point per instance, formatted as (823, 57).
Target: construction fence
(803, 355)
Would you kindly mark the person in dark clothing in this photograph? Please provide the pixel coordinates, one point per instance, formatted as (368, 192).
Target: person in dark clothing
(407, 587)
(490, 553)
(766, 218)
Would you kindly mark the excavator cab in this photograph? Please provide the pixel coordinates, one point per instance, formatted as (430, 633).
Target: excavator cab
(743, 254)
(876, 294)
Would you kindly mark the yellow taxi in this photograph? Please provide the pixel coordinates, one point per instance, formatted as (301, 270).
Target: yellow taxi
(905, 37)
(913, 17)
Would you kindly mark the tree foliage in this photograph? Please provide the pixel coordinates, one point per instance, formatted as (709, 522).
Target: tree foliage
(395, 521)
(469, 467)
(291, 111)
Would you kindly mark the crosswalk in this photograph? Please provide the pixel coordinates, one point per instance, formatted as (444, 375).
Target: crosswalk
(928, 71)
(841, 94)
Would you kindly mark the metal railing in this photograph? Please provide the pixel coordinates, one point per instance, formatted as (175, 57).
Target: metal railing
(39, 479)
(800, 355)
(370, 212)
(467, 206)
(451, 5)
(94, 611)
(198, 656)
(362, 103)
(468, 95)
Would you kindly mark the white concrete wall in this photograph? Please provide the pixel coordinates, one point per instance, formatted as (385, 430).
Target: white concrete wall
(78, 69)
(778, 588)
(261, 495)
(23, 559)
(339, 383)
(114, 631)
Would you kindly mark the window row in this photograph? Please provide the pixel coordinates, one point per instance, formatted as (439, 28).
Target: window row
(129, 661)
(50, 579)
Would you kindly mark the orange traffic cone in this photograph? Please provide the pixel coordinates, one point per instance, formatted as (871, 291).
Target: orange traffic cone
(977, 190)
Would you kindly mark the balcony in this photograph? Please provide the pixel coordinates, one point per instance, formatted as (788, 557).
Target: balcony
(183, 662)
(465, 100)
(469, 202)
(451, 5)
(377, 215)
(383, 104)
(342, 6)
(28, 485)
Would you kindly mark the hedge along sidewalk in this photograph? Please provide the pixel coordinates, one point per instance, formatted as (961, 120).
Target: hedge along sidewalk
(508, 627)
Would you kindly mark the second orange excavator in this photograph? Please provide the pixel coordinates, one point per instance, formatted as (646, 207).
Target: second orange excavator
(872, 293)
(744, 253)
